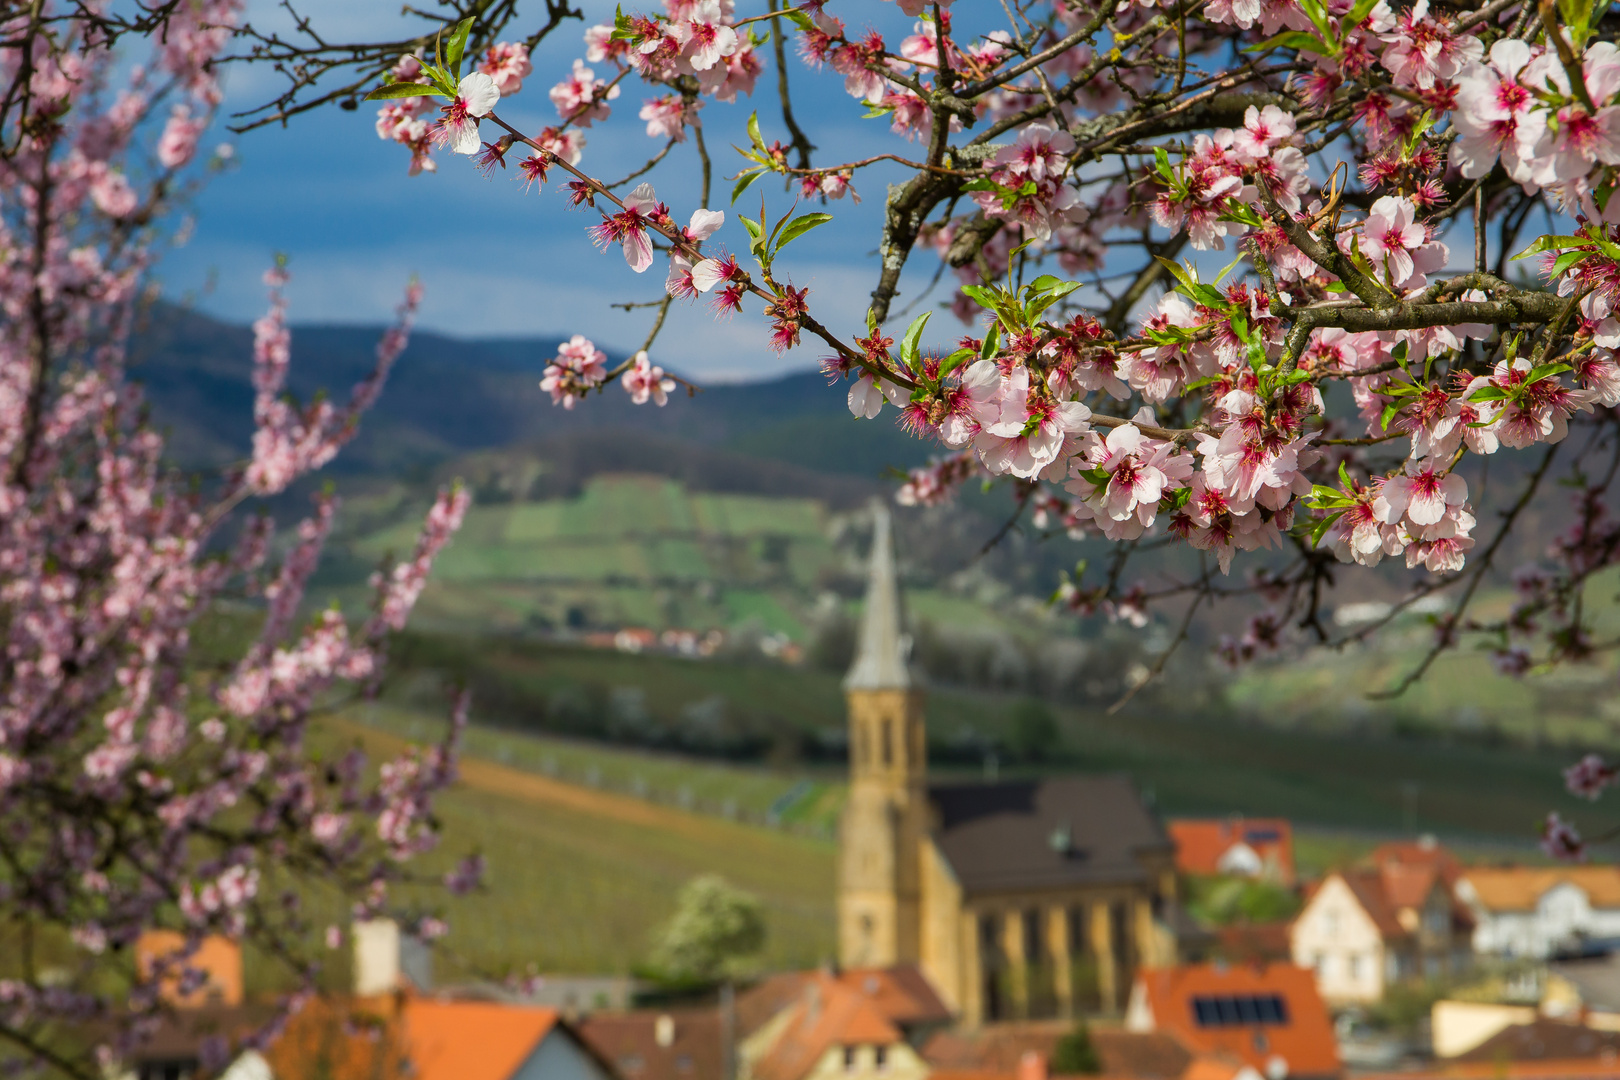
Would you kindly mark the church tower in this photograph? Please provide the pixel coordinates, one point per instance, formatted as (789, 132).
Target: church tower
(884, 821)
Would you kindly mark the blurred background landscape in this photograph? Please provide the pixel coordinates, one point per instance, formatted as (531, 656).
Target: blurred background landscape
(654, 609)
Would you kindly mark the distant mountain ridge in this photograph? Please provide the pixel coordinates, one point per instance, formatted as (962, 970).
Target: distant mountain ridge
(447, 397)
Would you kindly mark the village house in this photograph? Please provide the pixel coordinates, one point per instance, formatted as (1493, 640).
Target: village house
(864, 1022)
(1022, 899)
(1535, 912)
(1365, 929)
(1260, 848)
(1267, 1016)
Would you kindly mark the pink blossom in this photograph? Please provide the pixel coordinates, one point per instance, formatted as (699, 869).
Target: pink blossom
(703, 35)
(646, 381)
(179, 142)
(582, 98)
(507, 62)
(1560, 841)
(1589, 776)
(578, 367)
(476, 96)
(629, 227)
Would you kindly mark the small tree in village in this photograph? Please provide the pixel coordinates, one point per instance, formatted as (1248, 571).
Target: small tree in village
(716, 929)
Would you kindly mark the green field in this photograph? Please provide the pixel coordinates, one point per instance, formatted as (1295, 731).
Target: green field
(1201, 760)
(579, 879)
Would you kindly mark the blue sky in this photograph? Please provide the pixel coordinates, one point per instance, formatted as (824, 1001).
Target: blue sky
(497, 262)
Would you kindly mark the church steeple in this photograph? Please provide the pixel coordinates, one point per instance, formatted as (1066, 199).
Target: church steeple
(883, 825)
(883, 649)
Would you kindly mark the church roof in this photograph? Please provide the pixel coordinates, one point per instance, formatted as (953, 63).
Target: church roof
(1034, 834)
(882, 651)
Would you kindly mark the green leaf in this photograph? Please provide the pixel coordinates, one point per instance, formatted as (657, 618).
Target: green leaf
(1359, 13)
(986, 296)
(799, 19)
(1545, 371)
(1344, 477)
(1324, 525)
(403, 90)
(753, 132)
(956, 360)
(1489, 393)
(1098, 477)
(1295, 39)
(1199, 384)
(1552, 243)
(908, 344)
(799, 226)
(981, 184)
(1388, 414)
(457, 46)
(1161, 163)
(992, 340)
(745, 180)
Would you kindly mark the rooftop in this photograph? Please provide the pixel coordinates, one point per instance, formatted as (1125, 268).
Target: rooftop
(1053, 832)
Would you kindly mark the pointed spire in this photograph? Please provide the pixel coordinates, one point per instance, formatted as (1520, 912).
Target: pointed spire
(883, 649)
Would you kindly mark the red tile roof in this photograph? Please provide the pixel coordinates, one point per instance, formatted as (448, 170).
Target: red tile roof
(999, 1049)
(693, 1048)
(1200, 843)
(1419, 853)
(1305, 1041)
(472, 1040)
(829, 1013)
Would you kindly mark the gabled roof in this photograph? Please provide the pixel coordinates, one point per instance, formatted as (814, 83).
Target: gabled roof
(828, 1014)
(472, 1040)
(1025, 834)
(1200, 842)
(882, 649)
(1386, 891)
(1425, 852)
(693, 1046)
(1304, 1038)
(1139, 1055)
(1520, 888)
(902, 993)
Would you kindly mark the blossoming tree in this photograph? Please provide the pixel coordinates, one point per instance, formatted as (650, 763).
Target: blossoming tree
(141, 787)
(1372, 171)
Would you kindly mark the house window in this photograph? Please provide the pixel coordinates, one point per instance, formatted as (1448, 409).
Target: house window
(849, 1059)
(1355, 967)
(888, 744)
(880, 1058)
(1330, 923)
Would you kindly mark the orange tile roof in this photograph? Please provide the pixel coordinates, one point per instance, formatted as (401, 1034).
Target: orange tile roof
(829, 1013)
(1305, 1042)
(1589, 1068)
(472, 1040)
(1200, 842)
(219, 958)
(1418, 853)
(1519, 888)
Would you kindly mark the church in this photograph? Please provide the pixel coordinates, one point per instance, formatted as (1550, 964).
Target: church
(1024, 899)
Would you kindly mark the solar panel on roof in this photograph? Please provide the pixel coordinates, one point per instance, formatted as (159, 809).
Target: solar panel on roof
(1239, 1010)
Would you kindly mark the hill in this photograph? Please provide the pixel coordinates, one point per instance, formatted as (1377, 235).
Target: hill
(448, 396)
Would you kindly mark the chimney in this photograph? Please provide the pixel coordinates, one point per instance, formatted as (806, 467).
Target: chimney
(664, 1031)
(1031, 1066)
(385, 960)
